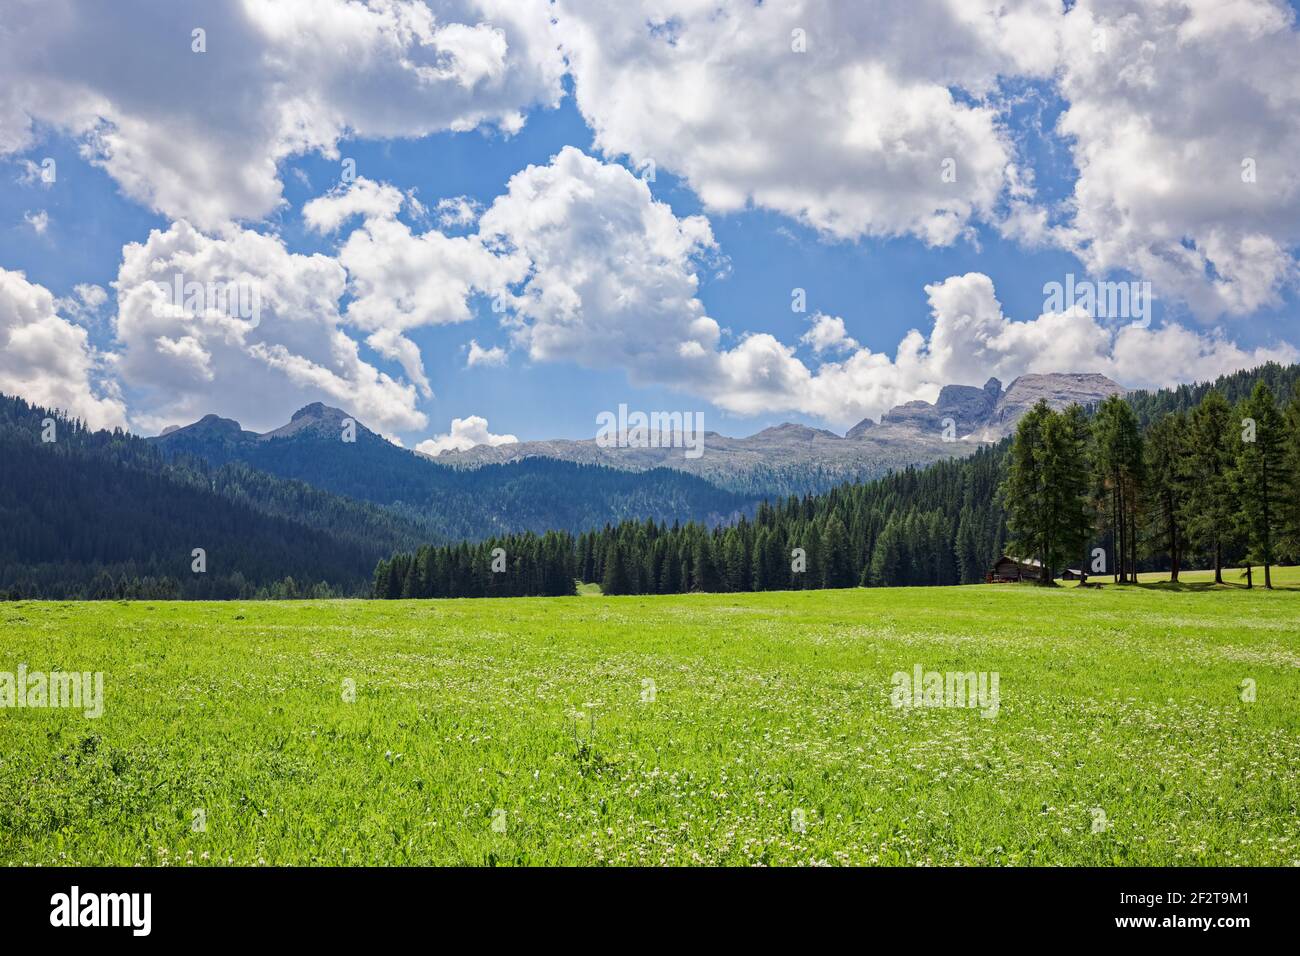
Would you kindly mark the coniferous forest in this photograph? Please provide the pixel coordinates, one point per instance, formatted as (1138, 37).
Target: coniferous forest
(1200, 476)
(1148, 482)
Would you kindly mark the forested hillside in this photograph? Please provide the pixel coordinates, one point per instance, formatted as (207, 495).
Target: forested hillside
(103, 514)
(107, 514)
(1155, 481)
(535, 494)
(1282, 380)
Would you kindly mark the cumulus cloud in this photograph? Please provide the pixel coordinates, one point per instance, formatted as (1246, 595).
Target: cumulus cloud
(481, 356)
(400, 280)
(828, 335)
(48, 360)
(198, 135)
(457, 212)
(39, 221)
(91, 296)
(363, 197)
(465, 433)
(969, 340)
(841, 114)
(612, 283)
(187, 358)
(1184, 123)
(610, 280)
(84, 305)
(1184, 156)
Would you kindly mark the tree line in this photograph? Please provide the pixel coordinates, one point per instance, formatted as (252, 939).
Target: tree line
(104, 515)
(1153, 480)
(1217, 484)
(937, 525)
(520, 565)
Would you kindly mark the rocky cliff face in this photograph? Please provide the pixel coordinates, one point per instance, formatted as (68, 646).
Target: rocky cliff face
(1058, 390)
(989, 414)
(968, 407)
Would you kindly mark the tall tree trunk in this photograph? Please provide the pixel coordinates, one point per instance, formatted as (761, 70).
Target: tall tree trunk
(1268, 543)
(1133, 538)
(1121, 519)
(1171, 519)
(1114, 548)
(1177, 558)
(1218, 561)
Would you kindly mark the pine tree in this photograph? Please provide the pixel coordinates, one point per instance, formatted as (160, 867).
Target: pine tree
(758, 559)
(616, 580)
(1046, 488)
(1121, 471)
(1289, 545)
(1167, 454)
(837, 572)
(1208, 507)
(1259, 476)
(704, 574)
(1023, 492)
(886, 568)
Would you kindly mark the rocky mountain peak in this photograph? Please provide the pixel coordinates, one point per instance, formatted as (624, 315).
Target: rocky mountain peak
(987, 414)
(318, 410)
(1058, 389)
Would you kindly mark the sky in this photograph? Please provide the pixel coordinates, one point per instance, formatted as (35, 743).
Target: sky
(488, 220)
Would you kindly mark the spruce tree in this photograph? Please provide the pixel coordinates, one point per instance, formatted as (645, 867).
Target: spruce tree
(1259, 476)
(1289, 545)
(1167, 455)
(837, 572)
(1121, 470)
(616, 579)
(1208, 506)
(1023, 493)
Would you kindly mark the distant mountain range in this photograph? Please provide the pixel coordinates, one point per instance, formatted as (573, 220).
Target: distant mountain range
(107, 514)
(452, 503)
(797, 459)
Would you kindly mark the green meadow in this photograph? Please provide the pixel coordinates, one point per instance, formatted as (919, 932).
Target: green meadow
(1135, 725)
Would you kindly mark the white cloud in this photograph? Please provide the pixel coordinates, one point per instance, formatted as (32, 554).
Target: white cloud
(828, 335)
(1166, 100)
(48, 360)
(611, 282)
(39, 221)
(465, 433)
(184, 363)
(970, 340)
(85, 303)
(199, 135)
(92, 296)
(850, 136)
(400, 280)
(457, 212)
(363, 198)
(481, 356)
(1161, 121)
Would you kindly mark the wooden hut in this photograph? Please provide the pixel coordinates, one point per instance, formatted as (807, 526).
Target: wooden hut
(1007, 570)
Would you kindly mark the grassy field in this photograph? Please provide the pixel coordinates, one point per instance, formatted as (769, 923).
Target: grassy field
(1121, 735)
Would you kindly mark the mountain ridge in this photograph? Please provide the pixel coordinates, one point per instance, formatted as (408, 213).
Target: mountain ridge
(791, 458)
(329, 449)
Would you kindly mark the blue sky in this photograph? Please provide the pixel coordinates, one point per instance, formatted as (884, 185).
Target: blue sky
(1223, 275)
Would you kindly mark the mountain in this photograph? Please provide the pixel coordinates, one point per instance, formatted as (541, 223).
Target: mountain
(944, 524)
(1058, 390)
(798, 459)
(330, 450)
(105, 514)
